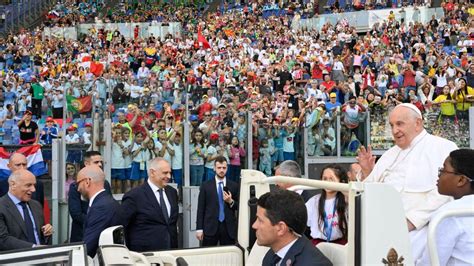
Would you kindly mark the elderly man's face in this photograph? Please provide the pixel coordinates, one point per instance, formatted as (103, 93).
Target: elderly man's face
(405, 127)
(24, 187)
(17, 162)
(161, 175)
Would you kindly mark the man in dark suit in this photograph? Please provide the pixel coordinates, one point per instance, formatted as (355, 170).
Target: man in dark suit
(292, 169)
(218, 201)
(149, 212)
(102, 206)
(21, 218)
(77, 206)
(18, 161)
(281, 221)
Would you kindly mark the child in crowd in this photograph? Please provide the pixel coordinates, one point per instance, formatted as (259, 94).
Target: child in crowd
(73, 156)
(140, 155)
(314, 141)
(165, 150)
(127, 156)
(265, 163)
(327, 212)
(211, 155)
(289, 143)
(236, 151)
(86, 135)
(197, 151)
(118, 162)
(177, 158)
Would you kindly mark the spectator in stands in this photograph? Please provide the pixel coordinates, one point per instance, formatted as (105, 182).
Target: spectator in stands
(197, 151)
(29, 132)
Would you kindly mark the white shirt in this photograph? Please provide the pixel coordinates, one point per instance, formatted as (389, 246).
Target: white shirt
(157, 195)
(282, 252)
(312, 206)
(177, 159)
(93, 197)
(454, 236)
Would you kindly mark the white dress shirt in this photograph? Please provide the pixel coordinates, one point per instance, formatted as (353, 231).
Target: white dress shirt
(282, 252)
(157, 196)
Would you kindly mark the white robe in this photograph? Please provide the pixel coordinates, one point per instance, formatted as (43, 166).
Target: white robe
(414, 173)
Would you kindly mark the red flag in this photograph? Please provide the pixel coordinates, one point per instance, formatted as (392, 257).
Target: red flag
(97, 68)
(202, 41)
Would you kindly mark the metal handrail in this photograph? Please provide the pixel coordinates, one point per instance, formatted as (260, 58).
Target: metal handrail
(308, 182)
(434, 225)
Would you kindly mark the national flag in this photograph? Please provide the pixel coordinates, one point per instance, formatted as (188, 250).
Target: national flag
(202, 40)
(34, 158)
(229, 32)
(79, 105)
(97, 68)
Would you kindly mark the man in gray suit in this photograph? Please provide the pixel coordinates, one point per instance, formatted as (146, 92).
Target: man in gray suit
(280, 224)
(21, 218)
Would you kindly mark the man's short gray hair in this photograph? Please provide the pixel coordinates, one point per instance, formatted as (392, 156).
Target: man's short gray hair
(14, 176)
(289, 168)
(153, 163)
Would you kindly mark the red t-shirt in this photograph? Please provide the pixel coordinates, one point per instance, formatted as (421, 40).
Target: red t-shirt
(137, 127)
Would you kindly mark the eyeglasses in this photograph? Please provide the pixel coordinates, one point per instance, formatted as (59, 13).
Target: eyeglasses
(207, 115)
(442, 171)
(79, 181)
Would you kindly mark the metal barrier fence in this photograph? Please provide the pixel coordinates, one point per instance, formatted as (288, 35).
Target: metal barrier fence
(365, 20)
(159, 30)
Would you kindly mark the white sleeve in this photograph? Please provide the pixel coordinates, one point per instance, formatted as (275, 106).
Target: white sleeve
(447, 235)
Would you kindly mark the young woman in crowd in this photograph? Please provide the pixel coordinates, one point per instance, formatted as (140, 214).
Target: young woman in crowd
(327, 212)
(197, 154)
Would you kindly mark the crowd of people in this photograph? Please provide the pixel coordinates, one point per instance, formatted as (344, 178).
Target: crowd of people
(242, 65)
(289, 80)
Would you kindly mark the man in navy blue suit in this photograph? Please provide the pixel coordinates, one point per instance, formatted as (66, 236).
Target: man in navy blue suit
(76, 205)
(102, 206)
(280, 224)
(149, 212)
(218, 202)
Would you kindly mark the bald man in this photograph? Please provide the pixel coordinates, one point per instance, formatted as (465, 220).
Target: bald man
(102, 206)
(411, 167)
(16, 162)
(21, 217)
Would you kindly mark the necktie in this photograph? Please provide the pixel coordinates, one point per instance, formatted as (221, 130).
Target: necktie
(163, 205)
(221, 202)
(30, 231)
(276, 259)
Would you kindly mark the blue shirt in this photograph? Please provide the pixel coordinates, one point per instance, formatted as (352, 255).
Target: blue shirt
(16, 201)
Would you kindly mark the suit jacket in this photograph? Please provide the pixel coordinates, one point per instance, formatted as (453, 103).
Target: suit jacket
(12, 225)
(38, 195)
(208, 208)
(78, 211)
(145, 226)
(101, 215)
(301, 253)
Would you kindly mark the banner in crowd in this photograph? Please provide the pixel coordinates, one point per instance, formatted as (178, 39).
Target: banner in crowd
(79, 105)
(33, 155)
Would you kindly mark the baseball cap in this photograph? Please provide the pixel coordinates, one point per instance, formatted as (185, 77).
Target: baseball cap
(333, 95)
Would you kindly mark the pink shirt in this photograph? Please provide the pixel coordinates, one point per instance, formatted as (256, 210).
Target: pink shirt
(235, 154)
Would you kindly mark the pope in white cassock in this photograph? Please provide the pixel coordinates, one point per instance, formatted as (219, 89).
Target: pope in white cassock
(411, 167)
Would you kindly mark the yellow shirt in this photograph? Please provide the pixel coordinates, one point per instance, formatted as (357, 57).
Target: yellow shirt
(446, 108)
(463, 105)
